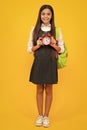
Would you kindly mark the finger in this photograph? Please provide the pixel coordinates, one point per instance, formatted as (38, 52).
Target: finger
(52, 38)
(40, 38)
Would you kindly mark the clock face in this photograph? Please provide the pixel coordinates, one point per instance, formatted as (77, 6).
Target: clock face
(46, 40)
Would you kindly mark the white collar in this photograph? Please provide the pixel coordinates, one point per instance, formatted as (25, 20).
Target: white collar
(45, 27)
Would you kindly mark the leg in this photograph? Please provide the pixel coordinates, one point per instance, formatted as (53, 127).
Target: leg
(48, 99)
(39, 98)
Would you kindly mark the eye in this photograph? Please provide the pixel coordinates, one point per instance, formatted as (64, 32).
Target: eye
(48, 14)
(42, 13)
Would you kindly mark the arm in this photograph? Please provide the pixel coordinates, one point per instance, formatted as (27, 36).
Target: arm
(39, 43)
(32, 48)
(61, 42)
(60, 46)
(30, 41)
(53, 44)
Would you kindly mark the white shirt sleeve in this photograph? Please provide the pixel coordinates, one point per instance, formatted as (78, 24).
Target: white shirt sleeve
(60, 42)
(30, 41)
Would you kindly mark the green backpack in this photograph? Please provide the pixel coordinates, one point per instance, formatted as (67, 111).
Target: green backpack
(62, 57)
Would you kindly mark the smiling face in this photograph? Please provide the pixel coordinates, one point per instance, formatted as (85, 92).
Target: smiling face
(46, 16)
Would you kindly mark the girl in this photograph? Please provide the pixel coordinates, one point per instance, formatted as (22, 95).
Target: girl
(44, 68)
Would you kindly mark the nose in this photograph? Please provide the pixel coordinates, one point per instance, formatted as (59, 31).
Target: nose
(45, 16)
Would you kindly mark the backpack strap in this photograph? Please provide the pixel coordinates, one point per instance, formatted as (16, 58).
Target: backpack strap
(57, 33)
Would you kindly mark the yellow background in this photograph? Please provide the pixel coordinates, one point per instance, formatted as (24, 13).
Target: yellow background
(18, 109)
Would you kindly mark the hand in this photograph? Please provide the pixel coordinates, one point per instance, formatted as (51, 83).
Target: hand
(39, 41)
(53, 41)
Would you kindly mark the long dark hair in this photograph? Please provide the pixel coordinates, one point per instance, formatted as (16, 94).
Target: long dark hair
(39, 22)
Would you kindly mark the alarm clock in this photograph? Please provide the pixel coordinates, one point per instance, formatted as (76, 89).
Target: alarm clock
(46, 39)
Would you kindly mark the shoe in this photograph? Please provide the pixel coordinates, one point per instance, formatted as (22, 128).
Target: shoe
(39, 121)
(46, 122)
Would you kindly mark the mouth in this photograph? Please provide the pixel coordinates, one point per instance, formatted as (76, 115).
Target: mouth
(46, 19)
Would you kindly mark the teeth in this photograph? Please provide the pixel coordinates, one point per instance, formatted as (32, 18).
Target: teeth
(45, 19)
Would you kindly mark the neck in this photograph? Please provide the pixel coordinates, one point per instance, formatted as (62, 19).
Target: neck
(46, 24)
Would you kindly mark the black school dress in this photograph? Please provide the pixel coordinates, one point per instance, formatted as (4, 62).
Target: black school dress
(44, 68)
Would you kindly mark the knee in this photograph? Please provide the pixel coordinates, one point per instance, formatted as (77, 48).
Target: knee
(48, 90)
(40, 89)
